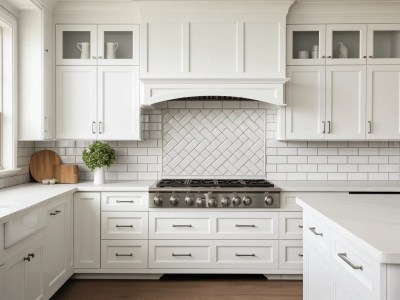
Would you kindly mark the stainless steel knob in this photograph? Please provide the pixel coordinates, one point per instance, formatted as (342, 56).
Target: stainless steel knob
(158, 200)
(247, 201)
(236, 201)
(269, 200)
(174, 200)
(189, 200)
(200, 202)
(212, 202)
(226, 201)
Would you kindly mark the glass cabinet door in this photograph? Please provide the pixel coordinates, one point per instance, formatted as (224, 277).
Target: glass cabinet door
(118, 44)
(346, 44)
(384, 44)
(306, 45)
(76, 45)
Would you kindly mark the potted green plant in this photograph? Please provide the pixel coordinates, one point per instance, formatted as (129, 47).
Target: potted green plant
(98, 156)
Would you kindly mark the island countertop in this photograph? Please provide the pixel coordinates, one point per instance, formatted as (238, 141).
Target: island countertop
(370, 221)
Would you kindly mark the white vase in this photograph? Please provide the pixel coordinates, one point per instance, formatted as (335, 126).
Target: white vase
(98, 176)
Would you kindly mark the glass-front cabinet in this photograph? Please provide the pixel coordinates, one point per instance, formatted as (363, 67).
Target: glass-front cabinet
(97, 45)
(384, 44)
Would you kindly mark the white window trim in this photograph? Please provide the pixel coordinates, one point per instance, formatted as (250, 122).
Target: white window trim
(8, 162)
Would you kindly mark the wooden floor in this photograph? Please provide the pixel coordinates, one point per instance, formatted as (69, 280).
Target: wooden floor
(183, 287)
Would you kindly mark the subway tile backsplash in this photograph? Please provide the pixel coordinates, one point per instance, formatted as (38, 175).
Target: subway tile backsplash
(143, 160)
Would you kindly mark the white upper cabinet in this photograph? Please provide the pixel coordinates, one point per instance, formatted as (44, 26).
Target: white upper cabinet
(213, 47)
(383, 102)
(384, 43)
(97, 45)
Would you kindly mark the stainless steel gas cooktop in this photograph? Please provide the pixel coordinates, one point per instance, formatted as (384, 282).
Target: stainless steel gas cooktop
(214, 193)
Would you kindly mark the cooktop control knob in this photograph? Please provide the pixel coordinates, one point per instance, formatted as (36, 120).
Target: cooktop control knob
(212, 202)
(200, 202)
(236, 201)
(189, 200)
(158, 200)
(247, 201)
(268, 200)
(174, 200)
(225, 201)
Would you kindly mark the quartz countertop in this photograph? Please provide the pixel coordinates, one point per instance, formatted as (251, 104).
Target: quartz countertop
(338, 186)
(372, 222)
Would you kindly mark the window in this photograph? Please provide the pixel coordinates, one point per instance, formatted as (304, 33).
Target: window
(8, 112)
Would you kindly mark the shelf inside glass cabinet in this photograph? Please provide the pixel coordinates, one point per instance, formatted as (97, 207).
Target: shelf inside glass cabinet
(70, 41)
(304, 41)
(119, 42)
(387, 44)
(350, 40)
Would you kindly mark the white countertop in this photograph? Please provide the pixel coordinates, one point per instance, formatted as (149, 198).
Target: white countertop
(370, 221)
(16, 199)
(338, 186)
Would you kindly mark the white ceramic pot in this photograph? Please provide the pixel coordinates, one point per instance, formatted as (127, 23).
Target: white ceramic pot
(99, 176)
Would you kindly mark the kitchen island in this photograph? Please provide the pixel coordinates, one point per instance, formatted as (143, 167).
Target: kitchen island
(351, 246)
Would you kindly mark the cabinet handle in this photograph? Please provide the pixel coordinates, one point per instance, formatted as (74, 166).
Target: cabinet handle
(312, 229)
(32, 255)
(369, 126)
(100, 127)
(93, 127)
(121, 254)
(124, 201)
(370, 56)
(55, 213)
(364, 56)
(323, 126)
(182, 254)
(93, 57)
(46, 50)
(300, 226)
(181, 225)
(300, 255)
(329, 56)
(244, 225)
(100, 57)
(323, 56)
(238, 254)
(329, 126)
(124, 226)
(27, 258)
(343, 256)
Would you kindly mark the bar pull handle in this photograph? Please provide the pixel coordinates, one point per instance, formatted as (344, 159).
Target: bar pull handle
(369, 126)
(301, 226)
(181, 254)
(323, 126)
(312, 229)
(124, 226)
(122, 254)
(239, 255)
(124, 201)
(100, 127)
(181, 225)
(93, 127)
(343, 256)
(300, 254)
(244, 225)
(55, 213)
(329, 126)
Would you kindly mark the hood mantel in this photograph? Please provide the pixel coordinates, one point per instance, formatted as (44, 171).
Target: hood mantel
(222, 48)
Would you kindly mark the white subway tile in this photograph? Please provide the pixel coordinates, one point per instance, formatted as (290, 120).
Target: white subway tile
(286, 168)
(309, 168)
(348, 168)
(368, 168)
(327, 168)
(327, 151)
(287, 151)
(307, 151)
(389, 168)
(337, 159)
(276, 159)
(297, 159)
(368, 151)
(337, 176)
(378, 159)
(296, 176)
(357, 176)
(318, 176)
(358, 159)
(378, 176)
(317, 159)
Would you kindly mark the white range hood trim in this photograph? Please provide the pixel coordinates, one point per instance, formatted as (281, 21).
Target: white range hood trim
(264, 90)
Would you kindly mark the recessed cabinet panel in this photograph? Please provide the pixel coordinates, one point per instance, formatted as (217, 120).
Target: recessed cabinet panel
(164, 48)
(305, 98)
(345, 102)
(383, 107)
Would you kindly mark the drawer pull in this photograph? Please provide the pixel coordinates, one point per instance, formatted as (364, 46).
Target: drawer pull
(347, 261)
(183, 254)
(244, 225)
(300, 255)
(124, 226)
(124, 201)
(27, 258)
(181, 225)
(32, 255)
(121, 254)
(237, 254)
(312, 229)
(301, 226)
(55, 213)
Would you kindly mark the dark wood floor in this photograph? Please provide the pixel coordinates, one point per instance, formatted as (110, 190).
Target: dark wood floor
(183, 287)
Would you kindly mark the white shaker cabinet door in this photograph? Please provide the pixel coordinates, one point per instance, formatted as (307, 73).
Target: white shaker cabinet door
(345, 102)
(119, 115)
(76, 102)
(305, 99)
(87, 230)
(383, 103)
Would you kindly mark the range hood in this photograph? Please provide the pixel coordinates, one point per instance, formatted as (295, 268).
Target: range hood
(213, 48)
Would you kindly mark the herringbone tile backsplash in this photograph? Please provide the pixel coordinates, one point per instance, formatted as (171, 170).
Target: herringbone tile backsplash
(213, 142)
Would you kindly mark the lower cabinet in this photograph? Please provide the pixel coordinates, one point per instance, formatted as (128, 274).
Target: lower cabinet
(123, 254)
(23, 275)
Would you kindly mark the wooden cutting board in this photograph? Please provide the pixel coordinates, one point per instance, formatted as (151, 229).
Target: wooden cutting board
(42, 164)
(66, 173)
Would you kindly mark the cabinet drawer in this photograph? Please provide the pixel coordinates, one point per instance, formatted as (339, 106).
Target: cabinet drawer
(291, 254)
(124, 201)
(291, 225)
(253, 225)
(124, 254)
(179, 254)
(179, 226)
(317, 233)
(255, 254)
(124, 225)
